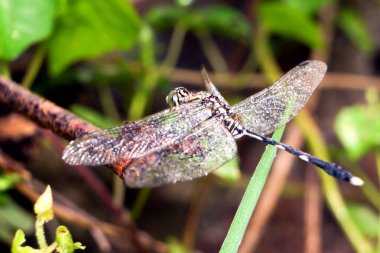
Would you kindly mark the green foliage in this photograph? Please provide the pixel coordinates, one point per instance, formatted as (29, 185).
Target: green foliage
(357, 128)
(175, 246)
(44, 212)
(352, 24)
(8, 180)
(88, 29)
(290, 22)
(222, 20)
(93, 116)
(229, 171)
(166, 16)
(12, 216)
(308, 7)
(18, 240)
(365, 218)
(65, 241)
(23, 23)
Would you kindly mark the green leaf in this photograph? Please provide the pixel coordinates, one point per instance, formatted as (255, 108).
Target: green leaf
(89, 29)
(365, 218)
(22, 23)
(222, 20)
(229, 171)
(13, 217)
(352, 24)
(310, 6)
(44, 206)
(18, 240)
(357, 128)
(92, 116)
(175, 246)
(65, 241)
(7, 181)
(166, 16)
(290, 22)
(225, 21)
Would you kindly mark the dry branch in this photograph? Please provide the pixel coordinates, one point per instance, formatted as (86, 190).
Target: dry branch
(42, 111)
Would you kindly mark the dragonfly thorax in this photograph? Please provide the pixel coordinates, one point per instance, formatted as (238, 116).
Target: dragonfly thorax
(225, 113)
(218, 108)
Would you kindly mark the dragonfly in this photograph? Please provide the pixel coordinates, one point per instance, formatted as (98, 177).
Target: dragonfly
(197, 133)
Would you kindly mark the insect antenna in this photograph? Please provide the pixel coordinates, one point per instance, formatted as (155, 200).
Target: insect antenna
(330, 168)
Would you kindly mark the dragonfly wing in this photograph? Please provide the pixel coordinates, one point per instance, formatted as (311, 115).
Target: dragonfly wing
(276, 105)
(205, 149)
(134, 140)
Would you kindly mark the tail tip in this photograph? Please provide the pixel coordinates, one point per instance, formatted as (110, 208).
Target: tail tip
(356, 181)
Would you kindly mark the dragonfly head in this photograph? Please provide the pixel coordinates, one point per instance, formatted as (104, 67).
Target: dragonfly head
(177, 96)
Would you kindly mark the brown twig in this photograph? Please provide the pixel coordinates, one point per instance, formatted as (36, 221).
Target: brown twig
(198, 199)
(312, 215)
(42, 111)
(45, 113)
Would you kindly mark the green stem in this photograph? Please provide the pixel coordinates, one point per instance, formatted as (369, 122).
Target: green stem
(139, 204)
(118, 189)
(212, 51)
(40, 234)
(175, 46)
(34, 67)
(264, 55)
(107, 102)
(377, 155)
(251, 195)
(140, 99)
(4, 69)
(52, 247)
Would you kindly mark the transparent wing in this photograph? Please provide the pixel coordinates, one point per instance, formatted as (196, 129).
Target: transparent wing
(276, 105)
(135, 139)
(207, 148)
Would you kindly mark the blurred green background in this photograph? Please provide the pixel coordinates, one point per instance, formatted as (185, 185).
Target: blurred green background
(116, 60)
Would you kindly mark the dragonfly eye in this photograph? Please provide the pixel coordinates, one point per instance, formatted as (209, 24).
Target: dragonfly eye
(177, 96)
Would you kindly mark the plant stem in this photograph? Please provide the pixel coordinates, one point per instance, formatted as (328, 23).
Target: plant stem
(264, 55)
(40, 235)
(34, 67)
(251, 195)
(4, 69)
(212, 51)
(139, 204)
(107, 102)
(175, 46)
(377, 155)
(52, 247)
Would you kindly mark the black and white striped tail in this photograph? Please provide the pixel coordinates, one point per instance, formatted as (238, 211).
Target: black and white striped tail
(330, 168)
